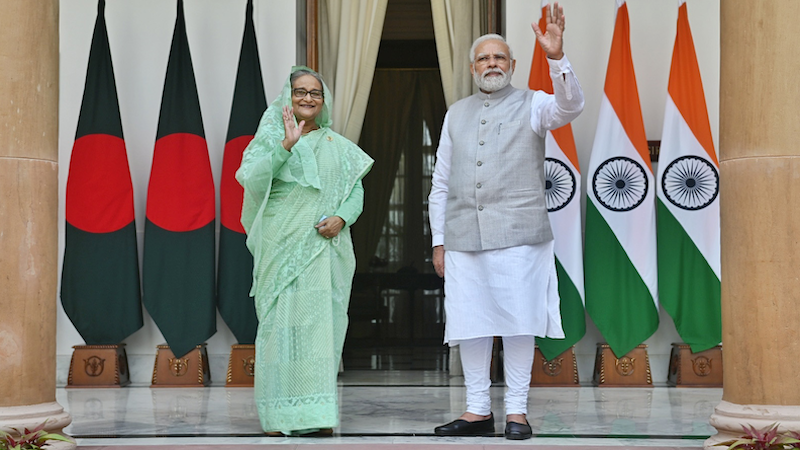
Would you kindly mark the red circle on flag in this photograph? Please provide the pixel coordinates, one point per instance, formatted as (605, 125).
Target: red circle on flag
(99, 197)
(231, 193)
(180, 196)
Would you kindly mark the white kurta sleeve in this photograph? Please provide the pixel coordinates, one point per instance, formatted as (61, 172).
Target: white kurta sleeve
(549, 112)
(437, 199)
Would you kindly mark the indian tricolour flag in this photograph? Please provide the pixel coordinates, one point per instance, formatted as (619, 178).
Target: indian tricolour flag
(620, 257)
(563, 181)
(688, 204)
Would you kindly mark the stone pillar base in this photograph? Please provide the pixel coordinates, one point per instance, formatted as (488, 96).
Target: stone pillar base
(728, 419)
(31, 416)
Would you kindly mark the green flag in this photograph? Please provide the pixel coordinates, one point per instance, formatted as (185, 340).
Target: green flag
(235, 270)
(100, 275)
(178, 270)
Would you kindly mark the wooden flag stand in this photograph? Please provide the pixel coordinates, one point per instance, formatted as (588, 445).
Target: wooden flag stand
(241, 366)
(701, 369)
(631, 370)
(189, 371)
(561, 371)
(98, 366)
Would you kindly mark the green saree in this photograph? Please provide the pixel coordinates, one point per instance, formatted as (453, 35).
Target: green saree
(301, 280)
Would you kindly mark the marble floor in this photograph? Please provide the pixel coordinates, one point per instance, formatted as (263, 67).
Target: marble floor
(396, 409)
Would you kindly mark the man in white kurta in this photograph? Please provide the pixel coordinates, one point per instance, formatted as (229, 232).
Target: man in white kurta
(492, 240)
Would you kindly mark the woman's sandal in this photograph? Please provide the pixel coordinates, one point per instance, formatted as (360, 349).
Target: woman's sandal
(324, 432)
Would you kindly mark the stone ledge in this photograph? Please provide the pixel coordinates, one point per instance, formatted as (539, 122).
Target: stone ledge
(728, 419)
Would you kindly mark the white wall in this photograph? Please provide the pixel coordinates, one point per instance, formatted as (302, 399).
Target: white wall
(587, 43)
(140, 33)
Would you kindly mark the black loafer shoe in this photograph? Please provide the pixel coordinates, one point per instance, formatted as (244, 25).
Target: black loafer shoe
(462, 427)
(518, 431)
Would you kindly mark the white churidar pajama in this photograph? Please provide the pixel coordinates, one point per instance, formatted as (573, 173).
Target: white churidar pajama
(514, 295)
(509, 292)
(476, 358)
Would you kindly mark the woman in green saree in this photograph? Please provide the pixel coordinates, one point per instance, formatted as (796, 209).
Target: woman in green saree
(302, 192)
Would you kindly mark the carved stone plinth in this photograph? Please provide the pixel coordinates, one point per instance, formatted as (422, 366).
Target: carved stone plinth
(30, 416)
(633, 369)
(701, 369)
(728, 419)
(98, 366)
(191, 370)
(561, 371)
(241, 365)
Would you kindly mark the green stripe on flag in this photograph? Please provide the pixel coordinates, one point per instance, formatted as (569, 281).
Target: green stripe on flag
(573, 317)
(100, 284)
(617, 298)
(178, 284)
(236, 306)
(688, 288)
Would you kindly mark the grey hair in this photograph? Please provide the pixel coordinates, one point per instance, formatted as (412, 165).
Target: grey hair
(300, 72)
(488, 37)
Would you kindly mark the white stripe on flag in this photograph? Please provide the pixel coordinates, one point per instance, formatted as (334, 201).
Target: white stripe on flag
(703, 225)
(566, 223)
(634, 229)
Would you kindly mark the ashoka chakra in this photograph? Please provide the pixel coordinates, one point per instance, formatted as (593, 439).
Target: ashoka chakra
(620, 184)
(559, 184)
(690, 182)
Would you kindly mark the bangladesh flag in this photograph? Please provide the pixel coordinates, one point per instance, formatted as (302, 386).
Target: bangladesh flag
(178, 271)
(620, 264)
(562, 181)
(688, 204)
(100, 276)
(235, 272)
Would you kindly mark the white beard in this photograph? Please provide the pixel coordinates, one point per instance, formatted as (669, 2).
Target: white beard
(493, 83)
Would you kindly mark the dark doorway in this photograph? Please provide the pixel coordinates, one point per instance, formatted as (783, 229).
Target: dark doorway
(397, 306)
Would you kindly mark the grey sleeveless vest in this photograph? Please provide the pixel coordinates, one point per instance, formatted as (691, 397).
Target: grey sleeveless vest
(496, 187)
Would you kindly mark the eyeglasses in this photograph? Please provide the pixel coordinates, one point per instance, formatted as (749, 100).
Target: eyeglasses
(300, 93)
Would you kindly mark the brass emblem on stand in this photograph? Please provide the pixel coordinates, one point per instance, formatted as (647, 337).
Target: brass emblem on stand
(559, 371)
(553, 368)
(241, 366)
(190, 370)
(178, 366)
(689, 369)
(612, 371)
(625, 366)
(701, 366)
(93, 366)
(249, 365)
(94, 375)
